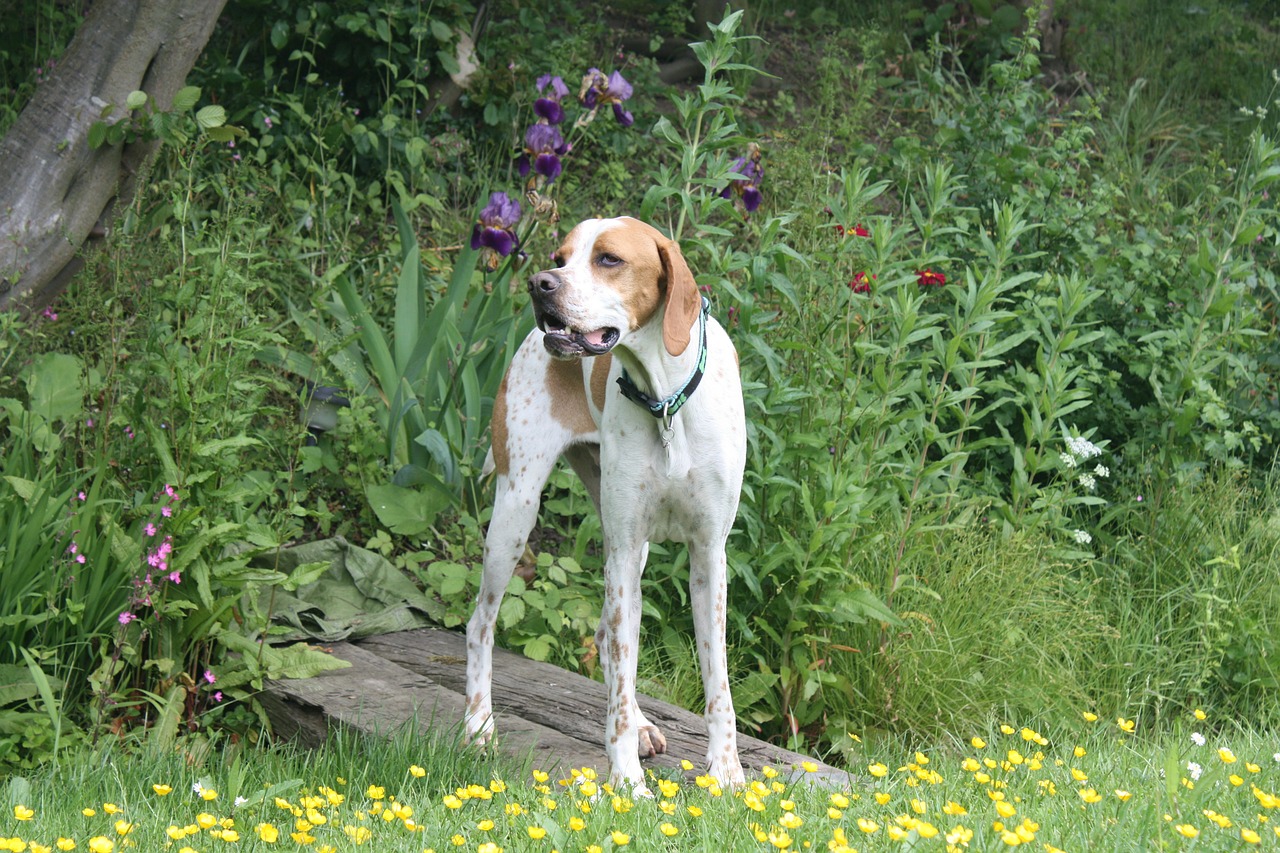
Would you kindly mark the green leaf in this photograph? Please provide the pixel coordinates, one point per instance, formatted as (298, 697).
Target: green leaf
(306, 573)
(539, 648)
(97, 134)
(186, 98)
(407, 512)
(279, 35)
(211, 116)
(441, 31)
(55, 387)
(16, 684)
(136, 99)
(21, 487)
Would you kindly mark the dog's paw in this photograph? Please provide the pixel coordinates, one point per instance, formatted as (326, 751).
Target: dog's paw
(727, 771)
(479, 731)
(652, 742)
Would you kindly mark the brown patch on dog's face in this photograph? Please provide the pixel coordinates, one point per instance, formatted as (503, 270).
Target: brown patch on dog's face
(626, 259)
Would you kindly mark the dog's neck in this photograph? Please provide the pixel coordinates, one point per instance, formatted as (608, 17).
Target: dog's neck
(654, 371)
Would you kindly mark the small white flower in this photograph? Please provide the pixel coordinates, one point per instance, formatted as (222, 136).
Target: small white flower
(1277, 757)
(1102, 471)
(196, 788)
(1197, 739)
(1082, 448)
(1194, 770)
(1068, 460)
(1087, 482)
(1082, 537)
(240, 801)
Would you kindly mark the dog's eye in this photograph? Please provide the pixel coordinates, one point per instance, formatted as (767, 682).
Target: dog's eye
(558, 259)
(608, 260)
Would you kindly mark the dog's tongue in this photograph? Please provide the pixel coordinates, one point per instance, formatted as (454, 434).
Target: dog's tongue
(596, 338)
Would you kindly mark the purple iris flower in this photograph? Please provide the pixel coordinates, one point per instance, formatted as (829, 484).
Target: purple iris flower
(597, 90)
(747, 187)
(543, 148)
(548, 106)
(496, 228)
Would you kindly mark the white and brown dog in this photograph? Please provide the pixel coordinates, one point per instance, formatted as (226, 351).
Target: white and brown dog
(608, 380)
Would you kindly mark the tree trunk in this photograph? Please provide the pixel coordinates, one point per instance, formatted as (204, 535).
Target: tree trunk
(54, 191)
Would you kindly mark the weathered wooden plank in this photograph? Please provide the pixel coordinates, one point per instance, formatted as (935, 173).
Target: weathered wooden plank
(378, 696)
(569, 703)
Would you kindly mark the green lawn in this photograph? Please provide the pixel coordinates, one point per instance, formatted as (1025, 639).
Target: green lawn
(1076, 785)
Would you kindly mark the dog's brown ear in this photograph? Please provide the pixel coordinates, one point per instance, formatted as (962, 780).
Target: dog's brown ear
(683, 302)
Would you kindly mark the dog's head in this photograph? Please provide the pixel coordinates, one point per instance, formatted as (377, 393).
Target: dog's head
(612, 277)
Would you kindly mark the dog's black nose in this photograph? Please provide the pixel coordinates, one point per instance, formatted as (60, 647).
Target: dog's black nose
(544, 282)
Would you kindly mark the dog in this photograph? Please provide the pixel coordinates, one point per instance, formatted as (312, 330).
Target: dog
(631, 380)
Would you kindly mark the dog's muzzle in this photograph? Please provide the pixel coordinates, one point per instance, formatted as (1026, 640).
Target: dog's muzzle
(560, 338)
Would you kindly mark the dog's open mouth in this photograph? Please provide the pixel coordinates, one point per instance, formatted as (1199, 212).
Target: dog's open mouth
(565, 342)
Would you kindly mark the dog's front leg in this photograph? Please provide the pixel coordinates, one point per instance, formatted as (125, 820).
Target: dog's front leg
(515, 509)
(619, 642)
(708, 595)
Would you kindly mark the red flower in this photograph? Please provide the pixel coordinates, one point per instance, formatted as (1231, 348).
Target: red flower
(929, 278)
(857, 231)
(861, 283)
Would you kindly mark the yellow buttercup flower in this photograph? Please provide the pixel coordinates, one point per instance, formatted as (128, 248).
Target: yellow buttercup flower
(978, 743)
(1198, 714)
(668, 829)
(1186, 830)
(1248, 836)
(161, 790)
(416, 771)
(877, 770)
(23, 813)
(1227, 756)
(867, 825)
(620, 838)
(1126, 726)
(1090, 717)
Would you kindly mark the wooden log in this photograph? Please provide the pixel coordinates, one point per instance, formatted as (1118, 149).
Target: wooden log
(569, 703)
(549, 717)
(378, 697)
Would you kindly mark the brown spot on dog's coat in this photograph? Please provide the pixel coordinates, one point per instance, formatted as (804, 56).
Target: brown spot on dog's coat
(498, 431)
(600, 379)
(568, 398)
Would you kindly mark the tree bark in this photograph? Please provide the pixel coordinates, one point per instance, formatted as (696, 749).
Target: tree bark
(54, 191)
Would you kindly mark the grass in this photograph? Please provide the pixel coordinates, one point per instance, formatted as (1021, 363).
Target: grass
(1207, 784)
